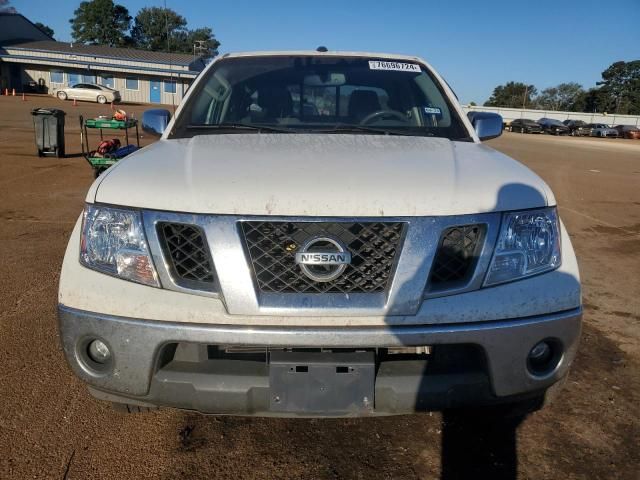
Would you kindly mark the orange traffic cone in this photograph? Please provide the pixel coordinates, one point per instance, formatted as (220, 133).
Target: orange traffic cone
(14, 92)
(111, 105)
(24, 99)
(75, 102)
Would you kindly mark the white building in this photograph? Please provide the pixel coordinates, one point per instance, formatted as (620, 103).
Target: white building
(30, 60)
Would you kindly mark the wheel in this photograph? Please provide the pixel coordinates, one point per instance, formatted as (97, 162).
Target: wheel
(62, 95)
(40, 154)
(102, 99)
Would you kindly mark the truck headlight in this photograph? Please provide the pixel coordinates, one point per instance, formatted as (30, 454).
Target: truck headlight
(528, 244)
(113, 242)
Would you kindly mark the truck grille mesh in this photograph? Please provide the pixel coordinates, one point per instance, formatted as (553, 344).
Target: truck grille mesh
(457, 255)
(187, 255)
(272, 247)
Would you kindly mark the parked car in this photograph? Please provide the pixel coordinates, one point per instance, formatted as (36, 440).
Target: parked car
(261, 260)
(88, 92)
(602, 130)
(524, 125)
(628, 131)
(578, 128)
(553, 126)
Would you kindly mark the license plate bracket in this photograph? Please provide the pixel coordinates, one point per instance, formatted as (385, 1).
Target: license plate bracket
(322, 382)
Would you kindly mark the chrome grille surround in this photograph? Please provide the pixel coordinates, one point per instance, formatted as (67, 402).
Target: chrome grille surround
(405, 293)
(272, 247)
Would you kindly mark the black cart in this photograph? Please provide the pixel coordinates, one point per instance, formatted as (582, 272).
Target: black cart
(49, 130)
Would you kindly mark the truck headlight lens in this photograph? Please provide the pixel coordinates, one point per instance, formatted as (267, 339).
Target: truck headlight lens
(113, 242)
(528, 244)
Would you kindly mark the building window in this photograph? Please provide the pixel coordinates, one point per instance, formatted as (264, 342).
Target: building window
(88, 78)
(131, 84)
(169, 86)
(107, 81)
(73, 79)
(57, 76)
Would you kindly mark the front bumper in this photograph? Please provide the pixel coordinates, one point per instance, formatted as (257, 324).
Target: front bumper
(140, 372)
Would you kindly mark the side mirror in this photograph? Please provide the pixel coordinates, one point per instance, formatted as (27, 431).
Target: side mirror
(155, 121)
(487, 125)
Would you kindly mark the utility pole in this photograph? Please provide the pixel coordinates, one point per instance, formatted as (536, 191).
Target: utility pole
(199, 47)
(524, 98)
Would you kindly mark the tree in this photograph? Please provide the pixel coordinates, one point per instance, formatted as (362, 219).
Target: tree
(6, 8)
(45, 29)
(566, 97)
(100, 22)
(472, 104)
(593, 100)
(620, 86)
(513, 95)
(152, 24)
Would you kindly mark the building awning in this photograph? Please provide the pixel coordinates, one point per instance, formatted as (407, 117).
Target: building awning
(97, 66)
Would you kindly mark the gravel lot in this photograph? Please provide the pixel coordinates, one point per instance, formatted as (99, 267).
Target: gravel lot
(50, 426)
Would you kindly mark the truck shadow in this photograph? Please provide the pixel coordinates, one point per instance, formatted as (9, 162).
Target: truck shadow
(474, 448)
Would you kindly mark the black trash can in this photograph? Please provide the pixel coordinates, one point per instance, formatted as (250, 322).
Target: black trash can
(49, 129)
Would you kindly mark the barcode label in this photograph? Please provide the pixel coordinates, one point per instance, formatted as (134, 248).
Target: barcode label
(401, 67)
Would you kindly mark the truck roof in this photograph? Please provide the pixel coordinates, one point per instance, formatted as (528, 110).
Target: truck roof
(330, 53)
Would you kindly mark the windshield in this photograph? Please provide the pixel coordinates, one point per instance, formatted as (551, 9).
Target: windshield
(313, 94)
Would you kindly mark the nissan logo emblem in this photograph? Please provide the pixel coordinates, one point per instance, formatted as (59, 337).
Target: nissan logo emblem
(323, 259)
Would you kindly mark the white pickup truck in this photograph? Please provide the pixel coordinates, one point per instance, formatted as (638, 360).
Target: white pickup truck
(319, 234)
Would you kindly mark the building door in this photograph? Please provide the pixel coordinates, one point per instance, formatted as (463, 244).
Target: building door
(155, 92)
(16, 77)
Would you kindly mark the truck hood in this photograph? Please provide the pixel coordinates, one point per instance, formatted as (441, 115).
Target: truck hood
(320, 175)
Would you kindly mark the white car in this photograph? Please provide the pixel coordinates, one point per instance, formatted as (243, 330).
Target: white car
(320, 234)
(88, 92)
(602, 130)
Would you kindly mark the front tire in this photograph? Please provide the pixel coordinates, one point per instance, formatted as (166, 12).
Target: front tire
(62, 95)
(102, 99)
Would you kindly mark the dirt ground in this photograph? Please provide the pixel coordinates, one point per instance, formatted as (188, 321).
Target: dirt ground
(51, 428)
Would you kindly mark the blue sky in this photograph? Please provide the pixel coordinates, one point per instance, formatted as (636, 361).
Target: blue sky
(474, 44)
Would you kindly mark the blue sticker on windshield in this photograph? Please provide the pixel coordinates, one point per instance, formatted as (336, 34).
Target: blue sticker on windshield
(432, 110)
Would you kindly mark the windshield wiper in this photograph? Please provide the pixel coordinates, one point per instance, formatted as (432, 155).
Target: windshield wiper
(239, 126)
(345, 128)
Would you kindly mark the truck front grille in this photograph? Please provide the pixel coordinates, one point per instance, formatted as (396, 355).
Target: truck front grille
(272, 247)
(456, 257)
(187, 255)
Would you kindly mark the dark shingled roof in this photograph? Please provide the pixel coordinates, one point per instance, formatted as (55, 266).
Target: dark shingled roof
(16, 23)
(102, 51)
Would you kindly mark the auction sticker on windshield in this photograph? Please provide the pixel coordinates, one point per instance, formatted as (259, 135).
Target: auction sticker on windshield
(402, 67)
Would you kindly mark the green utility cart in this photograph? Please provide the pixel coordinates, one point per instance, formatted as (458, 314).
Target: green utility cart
(118, 127)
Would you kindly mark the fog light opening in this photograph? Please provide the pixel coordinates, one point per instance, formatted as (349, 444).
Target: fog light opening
(544, 357)
(98, 352)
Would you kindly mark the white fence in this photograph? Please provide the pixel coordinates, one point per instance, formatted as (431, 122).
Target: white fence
(509, 114)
